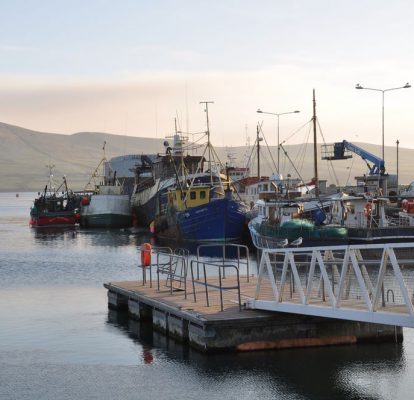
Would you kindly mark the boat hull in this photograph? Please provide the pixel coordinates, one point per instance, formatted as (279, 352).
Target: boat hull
(393, 234)
(222, 220)
(105, 221)
(144, 214)
(54, 220)
(106, 211)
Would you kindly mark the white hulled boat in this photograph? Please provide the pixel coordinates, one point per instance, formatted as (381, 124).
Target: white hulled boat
(106, 205)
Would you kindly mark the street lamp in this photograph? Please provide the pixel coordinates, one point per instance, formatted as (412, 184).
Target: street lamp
(398, 143)
(278, 142)
(406, 86)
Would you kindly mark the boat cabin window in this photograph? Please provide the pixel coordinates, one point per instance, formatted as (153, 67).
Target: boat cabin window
(192, 195)
(202, 194)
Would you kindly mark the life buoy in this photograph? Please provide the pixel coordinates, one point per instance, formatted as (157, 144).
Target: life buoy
(408, 206)
(368, 210)
(145, 254)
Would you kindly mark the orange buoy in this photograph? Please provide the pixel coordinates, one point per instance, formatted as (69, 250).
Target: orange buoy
(408, 206)
(145, 254)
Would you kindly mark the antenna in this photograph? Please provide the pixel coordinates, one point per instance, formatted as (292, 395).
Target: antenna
(208, 137)
(187, 124)
(51, 182)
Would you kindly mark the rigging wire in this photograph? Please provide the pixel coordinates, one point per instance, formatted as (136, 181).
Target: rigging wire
(329, 161)
(267, 145)
(350, 169)
(295, 132)
(285, 166)
(304, 150)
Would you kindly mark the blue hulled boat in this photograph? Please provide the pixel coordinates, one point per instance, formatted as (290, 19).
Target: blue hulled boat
(199, 209)
(219, 220)
(202, 214)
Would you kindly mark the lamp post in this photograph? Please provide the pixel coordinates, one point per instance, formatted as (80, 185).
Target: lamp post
(406, 86)
(278, 141)
(398, 143)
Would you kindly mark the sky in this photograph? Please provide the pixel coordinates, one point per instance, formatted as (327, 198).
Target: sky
(131, 67)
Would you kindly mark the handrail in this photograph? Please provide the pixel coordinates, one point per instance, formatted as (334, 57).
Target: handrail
(169, 267)
(220, 287)
(224, 246)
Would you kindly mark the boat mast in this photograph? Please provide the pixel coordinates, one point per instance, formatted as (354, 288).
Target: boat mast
(178, 148)
(315, 148)
(208, 138)
(51, 183)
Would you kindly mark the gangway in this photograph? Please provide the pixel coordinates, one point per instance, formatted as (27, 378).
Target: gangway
(368, 283)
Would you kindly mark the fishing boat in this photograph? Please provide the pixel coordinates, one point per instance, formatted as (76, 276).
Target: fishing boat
(155, 174)
(201, 211)
(105, 205)
(366, 220)
(55, 207)
(288, 217)
(281, 223)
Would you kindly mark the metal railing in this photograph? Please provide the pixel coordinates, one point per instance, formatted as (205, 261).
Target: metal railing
(220, 287)
(369, 283)
(225, 249)
(174, 265)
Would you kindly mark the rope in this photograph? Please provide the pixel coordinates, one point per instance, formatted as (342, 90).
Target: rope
(329, 161)
(350, 169)
(267, 145)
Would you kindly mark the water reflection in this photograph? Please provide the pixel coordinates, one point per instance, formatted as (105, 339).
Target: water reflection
(99, 237)
(44, 235)
(341, 372)
(83, 237)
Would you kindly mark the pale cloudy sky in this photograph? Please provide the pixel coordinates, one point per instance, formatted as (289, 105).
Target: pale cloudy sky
(130, 67)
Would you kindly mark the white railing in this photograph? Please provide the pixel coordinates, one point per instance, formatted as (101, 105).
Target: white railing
(370, 283)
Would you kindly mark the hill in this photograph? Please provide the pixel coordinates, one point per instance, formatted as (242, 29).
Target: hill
(25, 153)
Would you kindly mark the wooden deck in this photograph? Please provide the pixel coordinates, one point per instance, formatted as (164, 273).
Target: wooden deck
(176, 299)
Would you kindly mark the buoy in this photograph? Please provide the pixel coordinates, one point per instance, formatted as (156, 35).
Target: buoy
(85, 201)
(145, 254)
(408, 206)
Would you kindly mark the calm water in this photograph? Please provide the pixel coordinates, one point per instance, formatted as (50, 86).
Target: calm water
(59, 341)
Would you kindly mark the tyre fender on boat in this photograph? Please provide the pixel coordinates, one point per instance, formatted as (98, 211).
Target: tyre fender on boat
(145, 254)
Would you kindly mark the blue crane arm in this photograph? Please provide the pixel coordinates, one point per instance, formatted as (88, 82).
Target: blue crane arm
(378, 166)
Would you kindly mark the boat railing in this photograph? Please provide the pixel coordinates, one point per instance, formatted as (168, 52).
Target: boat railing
(238, 252)
(263, 242)
(211, 283)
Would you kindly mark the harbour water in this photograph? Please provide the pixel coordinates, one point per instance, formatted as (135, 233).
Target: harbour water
(58, 340)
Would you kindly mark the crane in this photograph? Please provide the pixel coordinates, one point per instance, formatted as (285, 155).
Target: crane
(340, 153)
